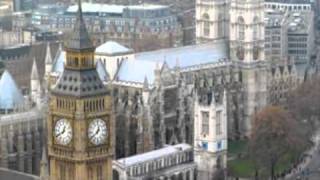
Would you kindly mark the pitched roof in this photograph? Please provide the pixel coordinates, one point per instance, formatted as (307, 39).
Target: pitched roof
(10, 95)
(137, 71)
(34, 71)
(144, 64)
(84, 83)
(152, 155)
(20, 68)
(58, 64)
(48, 59)
(112, 48)
(103, 74)
(80, 37)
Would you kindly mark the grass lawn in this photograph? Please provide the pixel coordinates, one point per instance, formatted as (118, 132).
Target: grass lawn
(244, 167)
(241, 168)
(237, 147)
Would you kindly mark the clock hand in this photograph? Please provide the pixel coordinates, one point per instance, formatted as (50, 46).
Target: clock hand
(97, 131)
(64, 129)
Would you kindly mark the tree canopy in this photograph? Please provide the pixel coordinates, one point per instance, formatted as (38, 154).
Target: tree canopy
(275, 133)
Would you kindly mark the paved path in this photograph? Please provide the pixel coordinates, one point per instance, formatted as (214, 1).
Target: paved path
(310, 168)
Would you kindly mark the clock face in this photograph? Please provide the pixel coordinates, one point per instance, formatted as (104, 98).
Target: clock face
(97, 131)
(63, 132)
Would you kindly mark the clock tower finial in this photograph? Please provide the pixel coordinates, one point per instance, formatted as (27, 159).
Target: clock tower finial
(80, 39)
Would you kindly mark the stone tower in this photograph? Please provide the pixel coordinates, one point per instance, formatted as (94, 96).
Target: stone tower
(212, 20)
(80, 121)
(246, 45)
(246, 30)
(210, 134)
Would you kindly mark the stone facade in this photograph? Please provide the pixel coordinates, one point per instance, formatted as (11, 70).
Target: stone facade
(21, 141)
(170, 162)
(210, 133)
(21, 127)
(80, 123)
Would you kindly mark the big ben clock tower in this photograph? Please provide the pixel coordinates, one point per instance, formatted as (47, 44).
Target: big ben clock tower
(80, 123)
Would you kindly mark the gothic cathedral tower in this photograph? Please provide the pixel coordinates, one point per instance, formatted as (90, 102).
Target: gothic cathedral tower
(80, 122)
(211, 20)
(210, 134)
(246, 44)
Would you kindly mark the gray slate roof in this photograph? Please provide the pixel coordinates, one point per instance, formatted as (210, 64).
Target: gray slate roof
(34, 71)
(10, 95)
(144, 64)
(7, 174)
(83, 83)
(80, 39)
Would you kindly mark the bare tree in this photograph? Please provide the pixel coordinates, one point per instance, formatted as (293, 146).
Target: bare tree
(275, 133)
(304, 102)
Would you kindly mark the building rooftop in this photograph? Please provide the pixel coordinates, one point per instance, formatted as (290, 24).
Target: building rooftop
(290, 1)
(299, 22)
(10, 95)
(14, 175)
(59, 60)
(112, 48)
(80, 39)
(144, 64)
(110, 8)
(166, 151)
(275, 18)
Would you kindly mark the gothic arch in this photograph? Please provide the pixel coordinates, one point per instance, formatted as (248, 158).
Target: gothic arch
(120, 135)
(242, 28)
(206, 24)
(255, 28)
(220, 26)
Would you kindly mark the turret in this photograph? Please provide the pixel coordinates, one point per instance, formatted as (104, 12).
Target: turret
(210, 133)
(44, 171)
(48, 62)
(145, 93)
(35, 87)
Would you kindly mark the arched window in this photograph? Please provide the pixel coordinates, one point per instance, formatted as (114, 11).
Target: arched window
(255, 29)
(220, 27)
(241, 28)
(206, 24)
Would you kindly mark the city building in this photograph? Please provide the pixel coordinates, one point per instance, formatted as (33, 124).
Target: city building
(80, 123)
(276, 39)
(5, 8)
(22, 5)
(148, 100)
(289, 5)
(124, 24)
(289, 36)
(21, 125)
(210, 133)
(169, 162)
(111, 54)
(301, 36)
